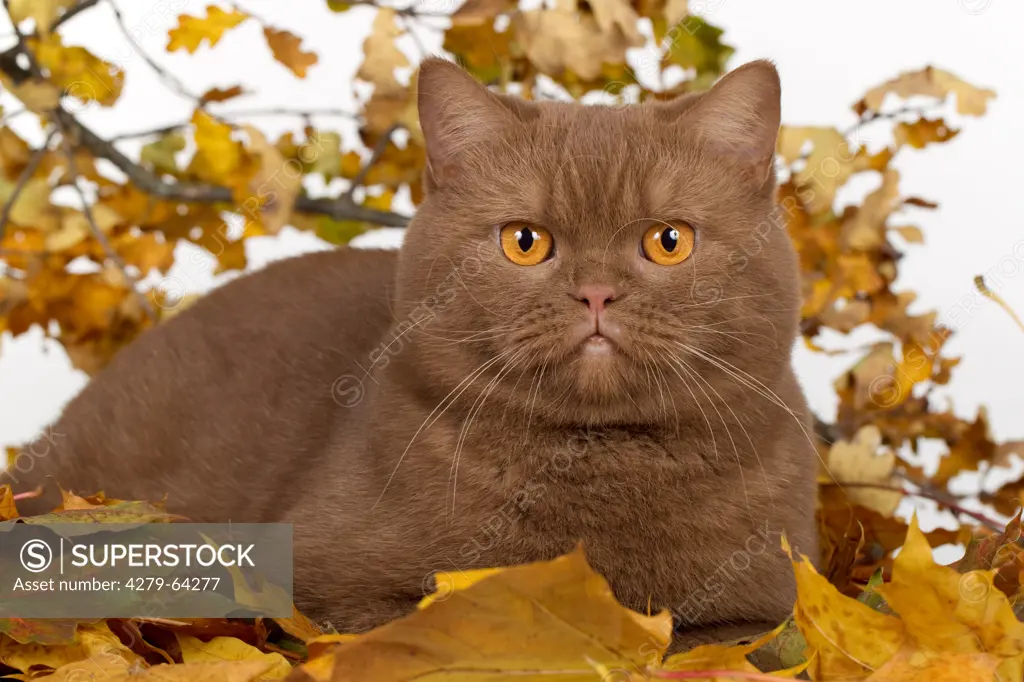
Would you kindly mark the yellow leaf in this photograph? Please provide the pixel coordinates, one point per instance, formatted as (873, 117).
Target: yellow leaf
(928, 82)
(8, 510)
(446, 582)
(864, 227)
(220, 671)
(43, 12)
(287, 49)
(947, 611)
(913, 235)
(566, 612)
(191, 31)
(914, 665)
(849, 639)
(194, 650)
(563, 38)
(218, 156)
(32, 208)
(826, 167)
(721, 656)
(275, 186)
(382, 57)
(37, 96)
(93, 642)
(78, 72)
(161, 153)
(861, 462)
(923, 132)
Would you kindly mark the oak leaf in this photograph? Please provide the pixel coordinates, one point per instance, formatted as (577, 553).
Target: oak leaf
(287, 49)
(192, 31)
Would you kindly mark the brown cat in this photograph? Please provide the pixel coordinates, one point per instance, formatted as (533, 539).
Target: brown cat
(564, 350)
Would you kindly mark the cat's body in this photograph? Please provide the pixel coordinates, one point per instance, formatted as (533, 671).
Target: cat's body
(448, 409)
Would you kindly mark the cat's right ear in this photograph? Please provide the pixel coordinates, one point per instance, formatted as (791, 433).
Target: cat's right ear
(456, 113)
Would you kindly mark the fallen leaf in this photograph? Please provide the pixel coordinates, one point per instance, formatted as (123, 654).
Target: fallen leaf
(194, 650)
(570, 614)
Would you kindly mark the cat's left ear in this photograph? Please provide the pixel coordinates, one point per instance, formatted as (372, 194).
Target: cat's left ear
(739, 116)
(456, 113)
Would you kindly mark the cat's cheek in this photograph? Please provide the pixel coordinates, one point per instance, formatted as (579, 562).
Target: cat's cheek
(738, 260)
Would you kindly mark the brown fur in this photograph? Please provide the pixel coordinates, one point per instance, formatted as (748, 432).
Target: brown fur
(434, 411)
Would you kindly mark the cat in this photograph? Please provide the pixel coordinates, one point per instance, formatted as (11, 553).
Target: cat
(561, 352)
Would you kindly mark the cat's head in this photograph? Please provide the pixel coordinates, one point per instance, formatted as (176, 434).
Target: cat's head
(597, 264)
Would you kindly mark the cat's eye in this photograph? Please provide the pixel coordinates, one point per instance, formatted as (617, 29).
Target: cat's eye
(668, 243)
(526, 244)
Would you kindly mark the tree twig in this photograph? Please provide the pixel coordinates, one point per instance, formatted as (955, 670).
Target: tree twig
(378, 151)
(925, 492)
(172, 81)
(108, 248)
(73, 12)
(23, 179)
(210, 194)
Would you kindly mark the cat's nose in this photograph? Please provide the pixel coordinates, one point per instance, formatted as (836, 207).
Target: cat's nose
(595, 296)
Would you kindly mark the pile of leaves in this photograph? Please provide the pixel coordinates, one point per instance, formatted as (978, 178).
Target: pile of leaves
(556, 620)
(193, 179)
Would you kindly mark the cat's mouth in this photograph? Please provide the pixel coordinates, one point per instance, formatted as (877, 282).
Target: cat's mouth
(598, 344)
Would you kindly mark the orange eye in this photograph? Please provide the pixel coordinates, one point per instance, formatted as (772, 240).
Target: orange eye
(668, 243)
(526, 244)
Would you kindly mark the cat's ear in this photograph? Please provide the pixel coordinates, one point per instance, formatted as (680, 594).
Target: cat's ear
(740, 115)
(456, 112)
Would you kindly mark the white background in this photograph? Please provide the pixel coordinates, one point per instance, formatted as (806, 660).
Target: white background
(828, 55)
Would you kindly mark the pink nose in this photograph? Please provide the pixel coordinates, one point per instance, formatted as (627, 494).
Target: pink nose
(595, 296)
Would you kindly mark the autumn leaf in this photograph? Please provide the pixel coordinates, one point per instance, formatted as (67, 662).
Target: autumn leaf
(218, 156)
(192, 31)
(923, 132)
(826, 167)
(846, 638)
(287, 49)
(573, 620)
(561, 40)
(8, 509)
(928, 82)
(221, 94)
(272, 191)
(861, 462)
(947, 611)
(43, 12)
(78, 72)
(194, 650)
(161, 154)
(382, 56)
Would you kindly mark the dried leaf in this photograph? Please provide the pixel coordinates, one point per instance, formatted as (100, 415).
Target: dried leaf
(192, 31)
(287, 49)
(928, 82)
(382, 56)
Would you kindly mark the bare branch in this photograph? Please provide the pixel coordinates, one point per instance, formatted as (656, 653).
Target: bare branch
(108, 248)
(206, 193)
(26, 175)
(172, 81)
(74, 11)
(378, 151)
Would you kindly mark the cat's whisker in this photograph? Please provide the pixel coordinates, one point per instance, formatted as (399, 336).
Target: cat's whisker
(474, 410)
(723, 300)
(704, 414)
(471, 378)
(753, 448)
(393, 341)
(737, 375)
